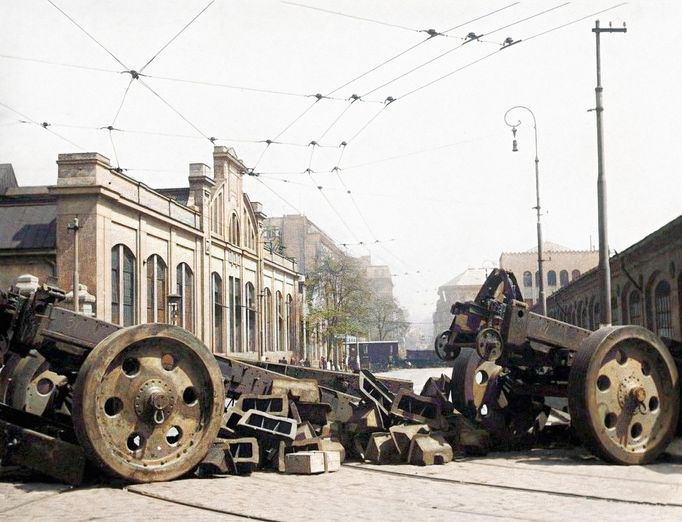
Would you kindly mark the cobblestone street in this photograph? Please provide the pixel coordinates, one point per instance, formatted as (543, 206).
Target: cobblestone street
(537, 485)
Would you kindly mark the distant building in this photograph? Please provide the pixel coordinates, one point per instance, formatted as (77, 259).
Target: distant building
(646, 287)
(295, 236)
(560, 266)
(379, 277)
(463, 287)
(139, 245)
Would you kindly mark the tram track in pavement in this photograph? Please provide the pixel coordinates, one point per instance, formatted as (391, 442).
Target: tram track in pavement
(520, 489)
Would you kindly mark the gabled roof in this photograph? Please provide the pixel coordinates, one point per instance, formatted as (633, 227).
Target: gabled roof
(28, 226)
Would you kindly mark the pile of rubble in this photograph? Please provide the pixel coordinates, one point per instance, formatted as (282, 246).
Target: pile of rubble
(303, 427)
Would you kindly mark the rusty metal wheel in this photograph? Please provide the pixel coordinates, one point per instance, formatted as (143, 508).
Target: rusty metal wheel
(624, 394)
(148, 402)
(27, 383)
(477, 391)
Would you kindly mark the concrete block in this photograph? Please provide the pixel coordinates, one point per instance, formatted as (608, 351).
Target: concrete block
(333, 445)
(306, 438)
(273, 404)
(375, 391)
(416, 408)
(366, 417)
(313, 412)
(300, 389)
(305, 462)
(381, 449)
(427, 449)
(332, 461)
(260, 423)
(341, 403)
(402, 435)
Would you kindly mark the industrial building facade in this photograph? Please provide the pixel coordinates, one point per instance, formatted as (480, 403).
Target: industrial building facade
(646, 286)
(192, 256)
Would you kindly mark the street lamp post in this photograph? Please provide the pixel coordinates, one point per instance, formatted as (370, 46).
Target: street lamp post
(541, 276)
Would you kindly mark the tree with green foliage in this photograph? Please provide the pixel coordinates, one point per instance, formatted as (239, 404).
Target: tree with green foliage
(337, 296)
(385, 320)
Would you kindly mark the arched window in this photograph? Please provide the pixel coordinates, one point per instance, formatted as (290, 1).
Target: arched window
(123, 292)
(291, 322)
(217, 305)
(234, 229)
(235, 306)
(575, 275)
(583, 317)
(185, 289)
(250, 318)
(635, 307)
(597, 316)
(551, 278)
(527, 279)
(563, 278)
(267, 319)
(537, 279)
(664, 326)
(280, 336)
(157, 289)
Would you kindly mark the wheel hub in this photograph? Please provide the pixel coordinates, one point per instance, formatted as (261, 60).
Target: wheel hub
(155, 400)
(631, 394)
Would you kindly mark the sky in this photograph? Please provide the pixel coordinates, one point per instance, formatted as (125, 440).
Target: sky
(427, 181)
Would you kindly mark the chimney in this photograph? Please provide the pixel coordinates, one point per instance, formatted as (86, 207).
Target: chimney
(200, 185)
(82, 168)
(7, 177)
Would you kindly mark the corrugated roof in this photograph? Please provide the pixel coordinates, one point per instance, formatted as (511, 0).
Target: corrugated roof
(28, 226)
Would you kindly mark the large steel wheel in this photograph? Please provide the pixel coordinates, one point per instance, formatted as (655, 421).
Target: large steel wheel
(623, 394)
(148, 402)
(27, 383)
(477, 391)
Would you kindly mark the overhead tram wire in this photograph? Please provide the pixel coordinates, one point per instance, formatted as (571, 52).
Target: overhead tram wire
(87, 33)
(59, 64)
(574, 21)
(401, 53)
(45, 125)
(428, 84)
(180, 80)
(442, 55)
(176, 36)
(176, 111)
(354, 17)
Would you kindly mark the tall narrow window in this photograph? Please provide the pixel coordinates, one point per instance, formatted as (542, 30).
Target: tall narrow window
(157, 291)
(235, 306)
(267, 319)
(234, 229)
(563, 278)
(597, 316)
(291, 322)
(217, 301)
(635, 307)
(664, 326)
(250, 318)
(527, 279)
(537, 279)
(551, 278)
(185, 288)
(280, 322)
(575, 275)
(122, 286)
